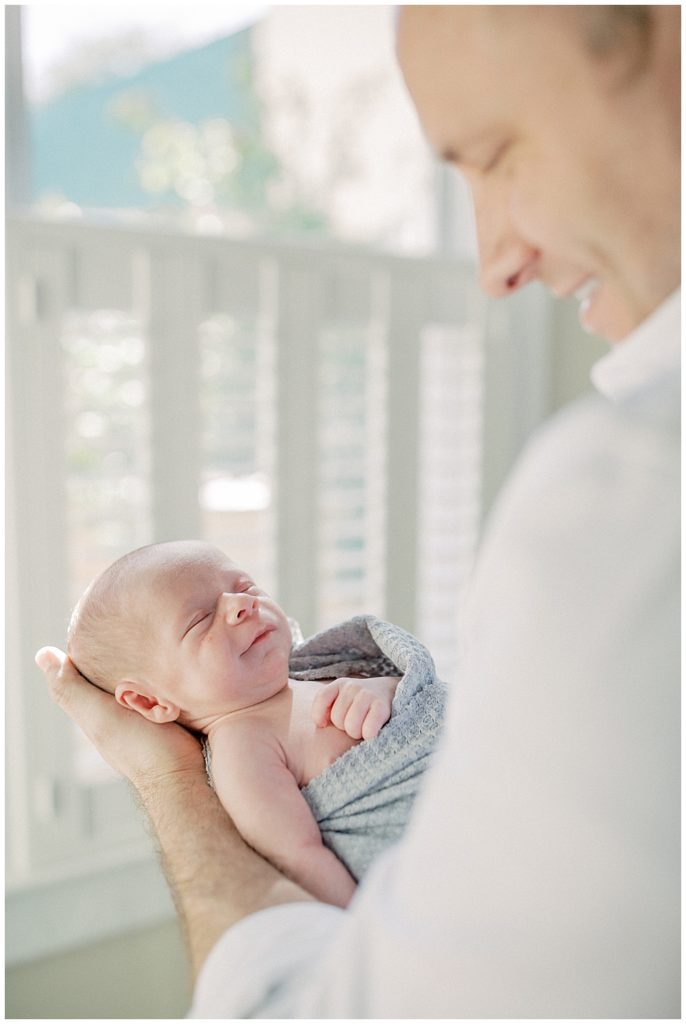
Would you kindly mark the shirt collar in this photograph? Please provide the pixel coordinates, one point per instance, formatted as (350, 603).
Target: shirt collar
(652, 350)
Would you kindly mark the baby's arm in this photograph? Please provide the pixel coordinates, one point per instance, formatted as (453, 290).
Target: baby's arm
(262, 798)
(358, 707)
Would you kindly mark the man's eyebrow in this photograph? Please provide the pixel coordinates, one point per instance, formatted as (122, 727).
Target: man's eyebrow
(479, 138)
(450, 155)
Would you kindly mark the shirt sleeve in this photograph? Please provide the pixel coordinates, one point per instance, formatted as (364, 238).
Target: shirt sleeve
(539, 876)
(258, 967)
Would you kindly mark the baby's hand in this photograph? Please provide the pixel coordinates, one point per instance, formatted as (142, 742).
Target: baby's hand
(358, 707)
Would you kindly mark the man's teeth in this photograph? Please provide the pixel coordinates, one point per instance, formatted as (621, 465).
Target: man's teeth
(585, 291)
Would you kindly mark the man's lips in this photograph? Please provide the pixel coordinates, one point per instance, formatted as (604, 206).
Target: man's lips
(580, 289)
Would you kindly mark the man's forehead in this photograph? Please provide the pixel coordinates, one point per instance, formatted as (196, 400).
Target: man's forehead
(473, 69)
(451, 34)
(445, 56)
(416, 24)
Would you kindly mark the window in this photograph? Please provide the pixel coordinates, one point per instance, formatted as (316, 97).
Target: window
(244, 119)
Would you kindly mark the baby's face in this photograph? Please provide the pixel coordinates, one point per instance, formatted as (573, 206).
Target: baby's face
(217, 641)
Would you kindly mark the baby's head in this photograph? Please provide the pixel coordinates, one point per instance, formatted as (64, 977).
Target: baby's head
(108, 636)
(179, 631)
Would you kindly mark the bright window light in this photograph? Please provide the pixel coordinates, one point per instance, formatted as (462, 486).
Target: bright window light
(56, 34)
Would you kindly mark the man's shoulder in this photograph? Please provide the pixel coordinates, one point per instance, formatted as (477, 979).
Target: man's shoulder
(595, 447)
(598, 478)
(582, 549)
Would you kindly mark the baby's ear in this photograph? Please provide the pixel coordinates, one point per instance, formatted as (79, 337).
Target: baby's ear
(153, 708)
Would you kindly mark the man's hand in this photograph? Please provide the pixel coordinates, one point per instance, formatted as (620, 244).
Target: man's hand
(142, 751)
(358, 707)
(216, 878)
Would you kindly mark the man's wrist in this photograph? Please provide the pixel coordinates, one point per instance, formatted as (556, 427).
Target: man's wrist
(216, 879)
(154, 788)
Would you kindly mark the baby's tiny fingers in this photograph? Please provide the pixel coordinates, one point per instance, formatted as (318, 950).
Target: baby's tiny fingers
(356, 715)
(321, 705)
(376, 718)
(341, 709)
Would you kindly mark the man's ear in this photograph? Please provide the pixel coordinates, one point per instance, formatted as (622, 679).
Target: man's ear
(154, 709)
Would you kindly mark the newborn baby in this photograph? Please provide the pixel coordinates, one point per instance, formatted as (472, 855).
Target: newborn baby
(179, 633)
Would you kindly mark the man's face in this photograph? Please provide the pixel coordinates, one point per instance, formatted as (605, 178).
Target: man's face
(573, 173)
(218, 642)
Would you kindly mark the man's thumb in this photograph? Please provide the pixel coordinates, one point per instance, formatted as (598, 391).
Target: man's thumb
(47, 660)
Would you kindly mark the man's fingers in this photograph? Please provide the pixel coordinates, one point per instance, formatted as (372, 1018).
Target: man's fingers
(49, 659)
(84, 703)
(58, 670)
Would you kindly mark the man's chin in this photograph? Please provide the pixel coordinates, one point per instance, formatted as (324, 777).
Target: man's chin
(608, 318)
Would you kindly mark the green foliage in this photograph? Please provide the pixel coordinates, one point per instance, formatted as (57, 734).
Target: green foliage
(214, 166)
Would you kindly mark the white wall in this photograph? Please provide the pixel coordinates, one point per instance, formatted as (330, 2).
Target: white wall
(143, 975)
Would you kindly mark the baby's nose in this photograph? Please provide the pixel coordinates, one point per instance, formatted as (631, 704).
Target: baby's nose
(237, 607)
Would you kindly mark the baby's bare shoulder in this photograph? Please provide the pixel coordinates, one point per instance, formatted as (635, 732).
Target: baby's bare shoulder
(248, 768)
(244, 738)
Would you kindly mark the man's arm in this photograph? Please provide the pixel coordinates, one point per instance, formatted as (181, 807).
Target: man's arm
(215, 877)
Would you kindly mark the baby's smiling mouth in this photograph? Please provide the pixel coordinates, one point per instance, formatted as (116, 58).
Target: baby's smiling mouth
(259, 636)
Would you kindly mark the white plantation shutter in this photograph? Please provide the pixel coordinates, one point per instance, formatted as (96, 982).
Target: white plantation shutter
(450, 481)
(318, 412)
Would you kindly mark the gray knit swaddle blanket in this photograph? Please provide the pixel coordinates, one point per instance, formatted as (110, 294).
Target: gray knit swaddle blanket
(363, 800)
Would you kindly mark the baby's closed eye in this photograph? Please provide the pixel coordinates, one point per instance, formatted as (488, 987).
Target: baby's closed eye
(196, 621)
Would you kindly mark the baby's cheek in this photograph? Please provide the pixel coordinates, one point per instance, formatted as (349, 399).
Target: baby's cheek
(213, 666)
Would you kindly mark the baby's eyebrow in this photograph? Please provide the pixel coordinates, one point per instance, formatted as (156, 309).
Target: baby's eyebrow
(238, 576)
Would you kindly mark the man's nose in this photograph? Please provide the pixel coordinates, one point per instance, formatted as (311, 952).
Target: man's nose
(506, 260)
(237, 607)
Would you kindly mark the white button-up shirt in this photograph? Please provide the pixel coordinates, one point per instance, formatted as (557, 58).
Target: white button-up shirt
(539, 876)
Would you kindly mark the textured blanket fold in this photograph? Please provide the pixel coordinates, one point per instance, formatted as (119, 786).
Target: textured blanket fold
(362, 801)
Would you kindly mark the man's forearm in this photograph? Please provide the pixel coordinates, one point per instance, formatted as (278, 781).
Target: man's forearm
(215, 877)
